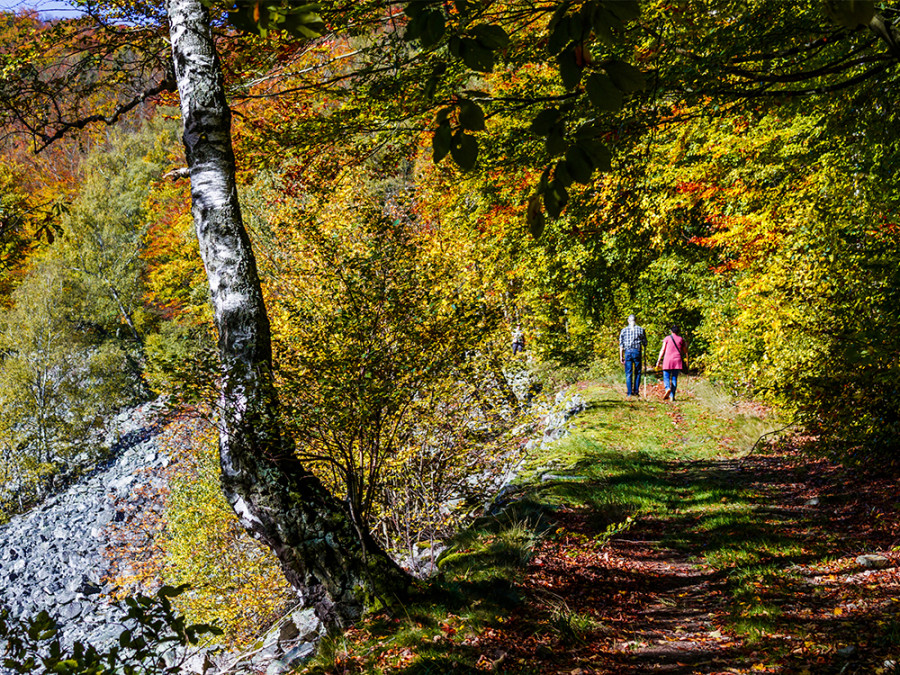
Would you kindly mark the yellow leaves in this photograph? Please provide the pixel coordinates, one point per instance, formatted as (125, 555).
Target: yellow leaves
(235, 580)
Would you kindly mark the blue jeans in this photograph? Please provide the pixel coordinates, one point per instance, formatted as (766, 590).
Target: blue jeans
(670, 381)
(632, 371)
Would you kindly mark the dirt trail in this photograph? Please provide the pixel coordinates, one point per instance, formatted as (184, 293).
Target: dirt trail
(635, 606)
(655, 609)
(673, 628)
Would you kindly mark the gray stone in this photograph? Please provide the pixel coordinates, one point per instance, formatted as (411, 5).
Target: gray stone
(52, 557)
(873, 561)
(309, 627)
(299, 654)
(199, 664)
(106, 633)
(104, 517)
(70, 611)
(64, 597)
(288, 633)
(88, 587)
(266, 653)
(559, 478)
(291, 660)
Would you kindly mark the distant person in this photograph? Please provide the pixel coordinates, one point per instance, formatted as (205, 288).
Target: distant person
(673, 357)
(632, 340)
(518, 342)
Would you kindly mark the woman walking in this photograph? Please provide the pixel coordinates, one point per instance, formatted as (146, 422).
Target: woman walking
(673, 357)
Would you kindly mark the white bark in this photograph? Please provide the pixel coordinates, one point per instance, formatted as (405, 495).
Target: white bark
(334, 567)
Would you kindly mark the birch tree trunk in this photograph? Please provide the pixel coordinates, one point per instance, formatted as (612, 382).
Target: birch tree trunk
(337, 569)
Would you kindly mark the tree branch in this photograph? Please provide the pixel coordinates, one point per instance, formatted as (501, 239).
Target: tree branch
(166, 85)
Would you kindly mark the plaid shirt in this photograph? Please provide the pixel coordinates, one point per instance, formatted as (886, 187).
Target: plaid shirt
(632, 337)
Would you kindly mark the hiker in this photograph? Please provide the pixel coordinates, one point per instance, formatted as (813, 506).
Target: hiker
(673, 357)
(632, 340)
(518, 343)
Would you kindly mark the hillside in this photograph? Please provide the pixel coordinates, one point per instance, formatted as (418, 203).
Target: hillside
(651, 537)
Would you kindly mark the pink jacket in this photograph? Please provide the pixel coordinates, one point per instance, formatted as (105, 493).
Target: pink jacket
(672, 356)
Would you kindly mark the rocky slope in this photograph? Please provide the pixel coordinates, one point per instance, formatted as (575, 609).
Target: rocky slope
(56, 557)
(53, 557)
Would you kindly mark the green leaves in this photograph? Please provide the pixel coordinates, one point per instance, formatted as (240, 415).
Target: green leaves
(261, 18)
(605, 84)
(625, 76)
(569, 69)
(605, 20)
(33, 645)
(471, 116)
(441, 141)
(555, 199)
(850, 13)
(626, 10)
(472, 53)
(464, 150)
(535, 217)
(474, 45)
(490, 36)
(544, 121)
(602, 93)
(597, 153)
(579, 164)
(427, 25)
(462, 146)
(582, 158)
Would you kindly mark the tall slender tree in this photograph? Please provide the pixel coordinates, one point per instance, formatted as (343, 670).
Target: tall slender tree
(337, 567)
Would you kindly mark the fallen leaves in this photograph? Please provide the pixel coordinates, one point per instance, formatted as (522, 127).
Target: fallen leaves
(628, 604)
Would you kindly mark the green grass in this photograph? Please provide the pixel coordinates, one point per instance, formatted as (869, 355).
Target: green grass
(630, 465)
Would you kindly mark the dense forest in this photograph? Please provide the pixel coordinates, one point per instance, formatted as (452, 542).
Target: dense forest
(312, 229)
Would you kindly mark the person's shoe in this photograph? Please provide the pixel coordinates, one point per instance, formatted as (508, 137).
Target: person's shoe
(667, 394)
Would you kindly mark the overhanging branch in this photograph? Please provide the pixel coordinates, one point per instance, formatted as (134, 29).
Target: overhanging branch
(166, 85)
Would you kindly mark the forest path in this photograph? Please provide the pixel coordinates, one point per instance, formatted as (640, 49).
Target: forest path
(731, 564)
(652, 540)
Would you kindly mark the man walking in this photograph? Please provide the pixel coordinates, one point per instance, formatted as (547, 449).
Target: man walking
(632, 340)
(518, 340)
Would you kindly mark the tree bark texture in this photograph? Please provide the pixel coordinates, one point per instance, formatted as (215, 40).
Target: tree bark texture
(338, 569)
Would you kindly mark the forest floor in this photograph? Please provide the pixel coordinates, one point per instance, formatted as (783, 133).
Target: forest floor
(659, 544)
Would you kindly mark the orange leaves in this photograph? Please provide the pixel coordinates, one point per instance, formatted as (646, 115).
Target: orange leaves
(697, 190)
(174, 269)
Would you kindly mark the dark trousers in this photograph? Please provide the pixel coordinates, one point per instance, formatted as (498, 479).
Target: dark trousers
(632, 372)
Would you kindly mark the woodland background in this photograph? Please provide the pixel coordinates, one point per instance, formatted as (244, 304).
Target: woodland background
(747, 190)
